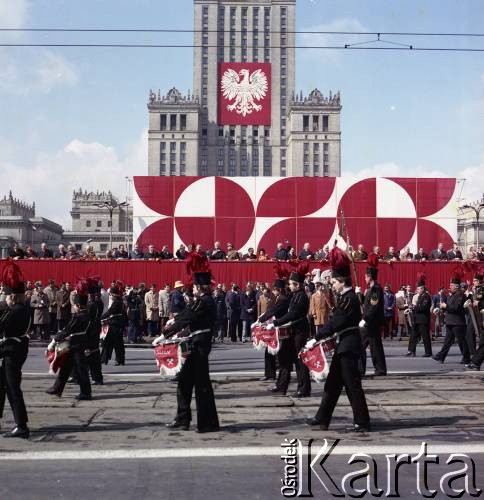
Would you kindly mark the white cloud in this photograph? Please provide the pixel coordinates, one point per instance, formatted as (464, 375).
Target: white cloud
(91, 166)
(325, 39)
(13, 13)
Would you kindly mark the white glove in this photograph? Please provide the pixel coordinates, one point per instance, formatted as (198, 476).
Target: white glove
(170, 322)
(51, 346)
(357, 289)
(310, 343)
(270, 326)
(253, 325)
(362, 323)
(467, 303)
(158, 340)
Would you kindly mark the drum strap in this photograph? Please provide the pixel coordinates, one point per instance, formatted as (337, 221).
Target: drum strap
(17, 339)
(341, 334)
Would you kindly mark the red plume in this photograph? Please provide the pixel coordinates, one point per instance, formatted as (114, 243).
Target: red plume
(338, 259)
(197, 263)
(373, 260)
(11, 274)
(81, 286)
(280, 272)
(303, 268)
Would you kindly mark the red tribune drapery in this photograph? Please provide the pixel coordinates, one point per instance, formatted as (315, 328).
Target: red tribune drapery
(161, 272)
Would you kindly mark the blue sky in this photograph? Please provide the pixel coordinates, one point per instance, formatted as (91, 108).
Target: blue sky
(76, 117)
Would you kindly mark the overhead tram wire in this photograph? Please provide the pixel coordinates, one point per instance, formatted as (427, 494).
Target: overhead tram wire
(190, 46)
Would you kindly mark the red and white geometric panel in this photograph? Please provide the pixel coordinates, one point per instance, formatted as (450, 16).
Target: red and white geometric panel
(259, 212)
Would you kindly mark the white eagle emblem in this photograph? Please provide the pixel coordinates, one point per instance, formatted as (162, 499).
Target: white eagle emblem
(246, 90)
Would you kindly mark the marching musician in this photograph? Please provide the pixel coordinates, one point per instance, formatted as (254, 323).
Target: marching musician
(373, 319)
(76, 333)
(344, 370)
(478, 305)
(297, 316)
(285, 355)
(421, 312)
(95, 308)
(455, 322)
(14, 347)
(471, 334)
(199, 316)
(117, 320)
(266, 302)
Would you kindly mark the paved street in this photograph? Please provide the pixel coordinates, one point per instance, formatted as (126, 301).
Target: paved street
(118, 446)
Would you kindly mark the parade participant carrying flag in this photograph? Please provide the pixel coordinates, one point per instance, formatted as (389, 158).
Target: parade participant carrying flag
(344, 371)
(14, 347)
(196, 323)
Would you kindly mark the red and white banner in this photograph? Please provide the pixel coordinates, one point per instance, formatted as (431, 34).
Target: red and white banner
(244, 94)
(57, 357)
(259, 212)
(262, 338)
(169, 358)
(315, 359)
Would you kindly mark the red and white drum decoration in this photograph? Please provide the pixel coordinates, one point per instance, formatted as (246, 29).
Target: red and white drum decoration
(315, 359)
(262, 338)
(170, 357)
(259, 212)
(57, 357)
(104, 329)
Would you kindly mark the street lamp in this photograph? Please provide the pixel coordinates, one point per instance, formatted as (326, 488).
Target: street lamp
(477, 211)
(111, 206)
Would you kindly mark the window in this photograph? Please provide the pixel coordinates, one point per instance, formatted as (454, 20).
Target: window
(306, 123)
(103, 247)
(110, 223)
(172, 122)
(315, 123)
(325, 123)
(183, 122)
(162, 122)
(99, 223)
(88, 223)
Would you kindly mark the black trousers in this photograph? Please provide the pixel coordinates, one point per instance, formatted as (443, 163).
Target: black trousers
(10, 381)
(371, 337)
(76, 363)
(269, 365)
(53, 323)
(421, 331)
(113, 341)
(195, 373)
(302, 371)
(286, 358)
(233, 327)
(452, 333)
(344, 372)
(471, 337)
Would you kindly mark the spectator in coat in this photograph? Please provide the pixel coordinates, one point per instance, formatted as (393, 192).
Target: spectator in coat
(177, 300)
(389, 310)
(51, 291)
(233, 312)
(133, 301)
(165, 253)
(61, 252)
(16, 252)
(63, 304)
(217, 253)
(232, 254)
(136, 253)
(45, 253)
(221, 323)
(281, 252)
(406, 254)
(454, 253)
(421, 255)
(181, 253)
(40, 305)
(122, 253)
(360, 253)
(248, 311)
(306, 253)
(262, 256)
(152, 311)
(439, 253)
(319, 307)
(265, 301)
(151, 254)
(164, 304)
(30, 253)
(392, 255)
(250, 255)
(71, 253)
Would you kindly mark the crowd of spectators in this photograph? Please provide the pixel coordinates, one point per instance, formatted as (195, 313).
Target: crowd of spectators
(282, 252)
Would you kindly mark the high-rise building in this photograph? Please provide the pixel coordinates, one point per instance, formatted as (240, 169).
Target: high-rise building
(244, 117)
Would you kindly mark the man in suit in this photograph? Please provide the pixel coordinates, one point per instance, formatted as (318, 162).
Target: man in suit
(421, 314)
(439, 253)
(217, 253)
(233, 311)
(281, 252)
(152, 311)
(455, 253)
(306, 253)
(360, 253)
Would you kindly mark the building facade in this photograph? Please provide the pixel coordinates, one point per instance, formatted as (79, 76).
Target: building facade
(186, 135)
(470, 229)
(92, 223)
(19, 223)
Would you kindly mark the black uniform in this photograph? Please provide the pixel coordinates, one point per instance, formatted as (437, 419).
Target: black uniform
(344, 371)
(200, 315)
(478, 357)
(421, 313)
(374, 316)
(455, 325)
(297, 314)
(472, 336)
(14, 348)
(76, 330)
(284, 356)
(95, 309)
(117, 320)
